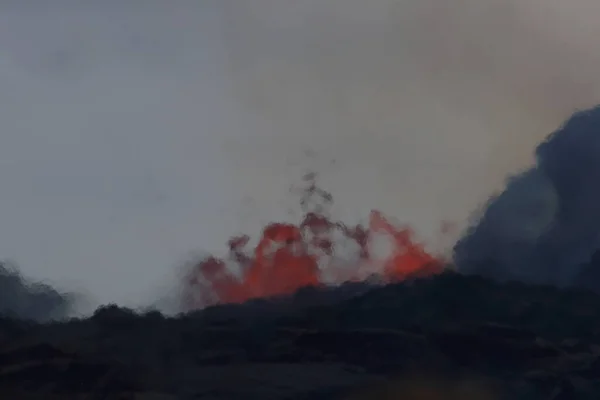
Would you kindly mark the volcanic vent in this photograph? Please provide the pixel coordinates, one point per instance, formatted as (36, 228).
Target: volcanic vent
(543, 228)
(291, 256)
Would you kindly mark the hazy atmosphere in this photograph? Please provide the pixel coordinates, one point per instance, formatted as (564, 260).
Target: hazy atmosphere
(135, 133)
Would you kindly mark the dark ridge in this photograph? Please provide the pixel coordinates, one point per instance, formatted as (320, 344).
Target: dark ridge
(517, 340)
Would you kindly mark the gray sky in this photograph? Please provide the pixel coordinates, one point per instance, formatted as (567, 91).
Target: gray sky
(136, 132)
(112, 119)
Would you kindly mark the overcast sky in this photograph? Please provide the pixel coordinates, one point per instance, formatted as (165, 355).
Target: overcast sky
(112, 117)
(135, 132)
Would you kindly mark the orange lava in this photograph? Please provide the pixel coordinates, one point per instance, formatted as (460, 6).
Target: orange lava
(291, 256)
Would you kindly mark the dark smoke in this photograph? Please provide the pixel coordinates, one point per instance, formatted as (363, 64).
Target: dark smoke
(545, 226)
(21, 298)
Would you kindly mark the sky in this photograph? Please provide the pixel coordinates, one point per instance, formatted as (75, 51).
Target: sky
(135, 134)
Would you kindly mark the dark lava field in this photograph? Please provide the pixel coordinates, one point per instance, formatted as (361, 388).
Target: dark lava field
(445, 337)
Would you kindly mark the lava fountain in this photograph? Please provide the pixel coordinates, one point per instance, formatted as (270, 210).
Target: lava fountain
(291, 256)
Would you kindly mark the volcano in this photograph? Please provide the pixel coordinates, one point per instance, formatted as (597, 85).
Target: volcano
(314, 312)
(543, 228)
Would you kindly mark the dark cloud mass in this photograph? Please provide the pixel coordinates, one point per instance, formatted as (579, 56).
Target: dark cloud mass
(20, 297)
(545, 226)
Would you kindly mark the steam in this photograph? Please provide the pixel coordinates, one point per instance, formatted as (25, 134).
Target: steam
(545, 226)
(425, 106)
(21, 298)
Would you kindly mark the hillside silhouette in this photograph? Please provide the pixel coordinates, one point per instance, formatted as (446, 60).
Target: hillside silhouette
(457, 334)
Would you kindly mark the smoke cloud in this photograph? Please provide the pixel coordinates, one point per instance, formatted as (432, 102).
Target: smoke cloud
(418, 108)
(545, 226)
(132, 131)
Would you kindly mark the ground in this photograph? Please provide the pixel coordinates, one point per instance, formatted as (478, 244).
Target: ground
(447, 337)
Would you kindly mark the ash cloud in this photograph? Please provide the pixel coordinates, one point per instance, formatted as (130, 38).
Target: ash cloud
(426, 106)
(22, 298)
(136, 128)
(545, 226)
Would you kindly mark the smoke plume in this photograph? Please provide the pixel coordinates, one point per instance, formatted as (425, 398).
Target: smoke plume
(545, 226)
(425, 106)
(21, 298)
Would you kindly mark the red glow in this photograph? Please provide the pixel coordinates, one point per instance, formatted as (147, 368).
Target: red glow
(291, 256)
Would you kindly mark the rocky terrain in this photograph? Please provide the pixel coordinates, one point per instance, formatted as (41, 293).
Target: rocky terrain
(448, 337)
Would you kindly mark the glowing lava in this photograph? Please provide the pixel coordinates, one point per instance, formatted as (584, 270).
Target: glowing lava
(289, 257)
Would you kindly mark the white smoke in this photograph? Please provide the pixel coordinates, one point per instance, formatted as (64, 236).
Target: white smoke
(426, 106)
